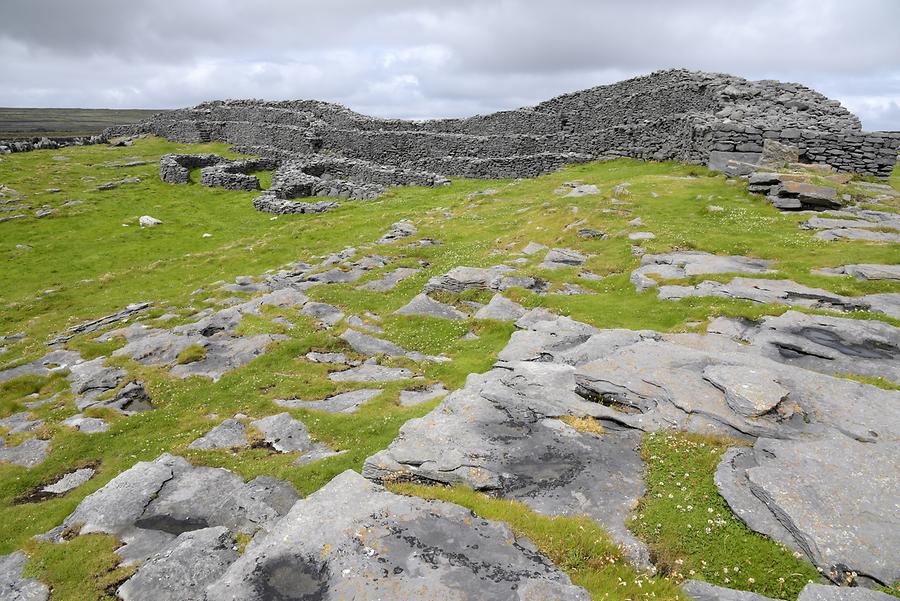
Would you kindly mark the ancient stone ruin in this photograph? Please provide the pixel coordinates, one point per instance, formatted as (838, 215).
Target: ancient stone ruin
(681, 115)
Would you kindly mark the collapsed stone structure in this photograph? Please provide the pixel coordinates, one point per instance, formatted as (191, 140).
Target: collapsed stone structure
(695, 117)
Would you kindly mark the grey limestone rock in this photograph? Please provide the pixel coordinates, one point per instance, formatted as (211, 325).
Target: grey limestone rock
(464, 278)
(865, 271)
(500, 308)
(88, 425)
(821, 592)
(327, 314)
(390, 280)
(345, 402)
(49, 363)
(183, 570)
(368, 372)
(229, 434)
(284, 433)
(557, 258)
(382, 545)
(703, 591)
(27, 454)
(69, 481)
(684, 264)
(14, 586)
(408, 398)
(424, 305)
(844, 523)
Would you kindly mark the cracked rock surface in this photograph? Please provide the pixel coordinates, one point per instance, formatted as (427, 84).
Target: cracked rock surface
(378, 545)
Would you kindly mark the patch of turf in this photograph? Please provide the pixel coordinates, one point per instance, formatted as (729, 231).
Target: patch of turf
(692, 532)
(82, 569)
(195, 352)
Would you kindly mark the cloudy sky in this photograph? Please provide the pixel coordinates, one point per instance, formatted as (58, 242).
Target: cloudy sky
(433, 58)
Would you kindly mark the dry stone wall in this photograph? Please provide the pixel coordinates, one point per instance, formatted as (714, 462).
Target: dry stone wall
(677, 114)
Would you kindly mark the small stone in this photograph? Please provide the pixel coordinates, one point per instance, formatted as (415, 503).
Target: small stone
(641, 236)
(148, 221)
(70, 481)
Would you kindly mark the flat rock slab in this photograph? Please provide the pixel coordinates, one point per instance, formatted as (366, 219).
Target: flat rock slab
(354, 539)
(326, 314)
(821, 592)
(836, 498)
(335, 358)
(424, 305)
(865, 271)
(49, 363)
(679, 265)
(833, 345)
(533, 248)
(228, 435)
(464, 278)
(784, 292)
(284, 433)
(14, 586)
(88, 425)
(499, 434)
(70, 481)
(501, 308)
(703, 591)
(368, 372)
(150, 504)
(409, 398)
(93, 378)
(559, 258)
(28, 454)
(345, 402)
(390, 280)
(184, 569)
(20, 422)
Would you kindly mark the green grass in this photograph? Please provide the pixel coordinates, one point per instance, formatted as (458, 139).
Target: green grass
(92, 259)
(576, 544)
(692, 532)
(193, 353)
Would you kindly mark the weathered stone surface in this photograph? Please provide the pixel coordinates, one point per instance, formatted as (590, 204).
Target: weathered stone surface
(424, 305)
(327, 314)
(93, 378)
(463, 278)
(337, 358)
(49, 363)
(835, 497)
(96, 324)
(150, 504)
(20, 422)
(368, 372)
(785, 292)
(684, 264)
(583, 190)
(345, 402)
(184, 569)
(703, 591)
(821, 592)
(499, 434)
(284, 433)
(88, 425)
(833, 345)
(369, 533)
(229, 434)
(533, 248)
(398, 231)
(14, 586)
(751, 392)
(390, 280)
(865, 271)
(28, 454)
(408, 398)
(69, 481)
(500, 308)
(557, 258)
(148, 221)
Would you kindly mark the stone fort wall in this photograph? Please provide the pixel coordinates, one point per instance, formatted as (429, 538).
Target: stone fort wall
(681, 115)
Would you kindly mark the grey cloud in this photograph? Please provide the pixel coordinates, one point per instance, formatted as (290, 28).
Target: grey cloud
(409, 58)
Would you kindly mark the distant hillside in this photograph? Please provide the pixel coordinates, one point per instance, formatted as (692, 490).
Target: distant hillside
(30, 122)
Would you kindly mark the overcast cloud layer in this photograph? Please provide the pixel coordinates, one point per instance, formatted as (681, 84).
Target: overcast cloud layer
(434, 58)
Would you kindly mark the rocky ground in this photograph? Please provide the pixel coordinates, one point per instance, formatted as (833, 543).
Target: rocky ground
(624, 380)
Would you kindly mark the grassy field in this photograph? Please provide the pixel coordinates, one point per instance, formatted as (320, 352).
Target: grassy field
(37, 122)
(90, 259)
